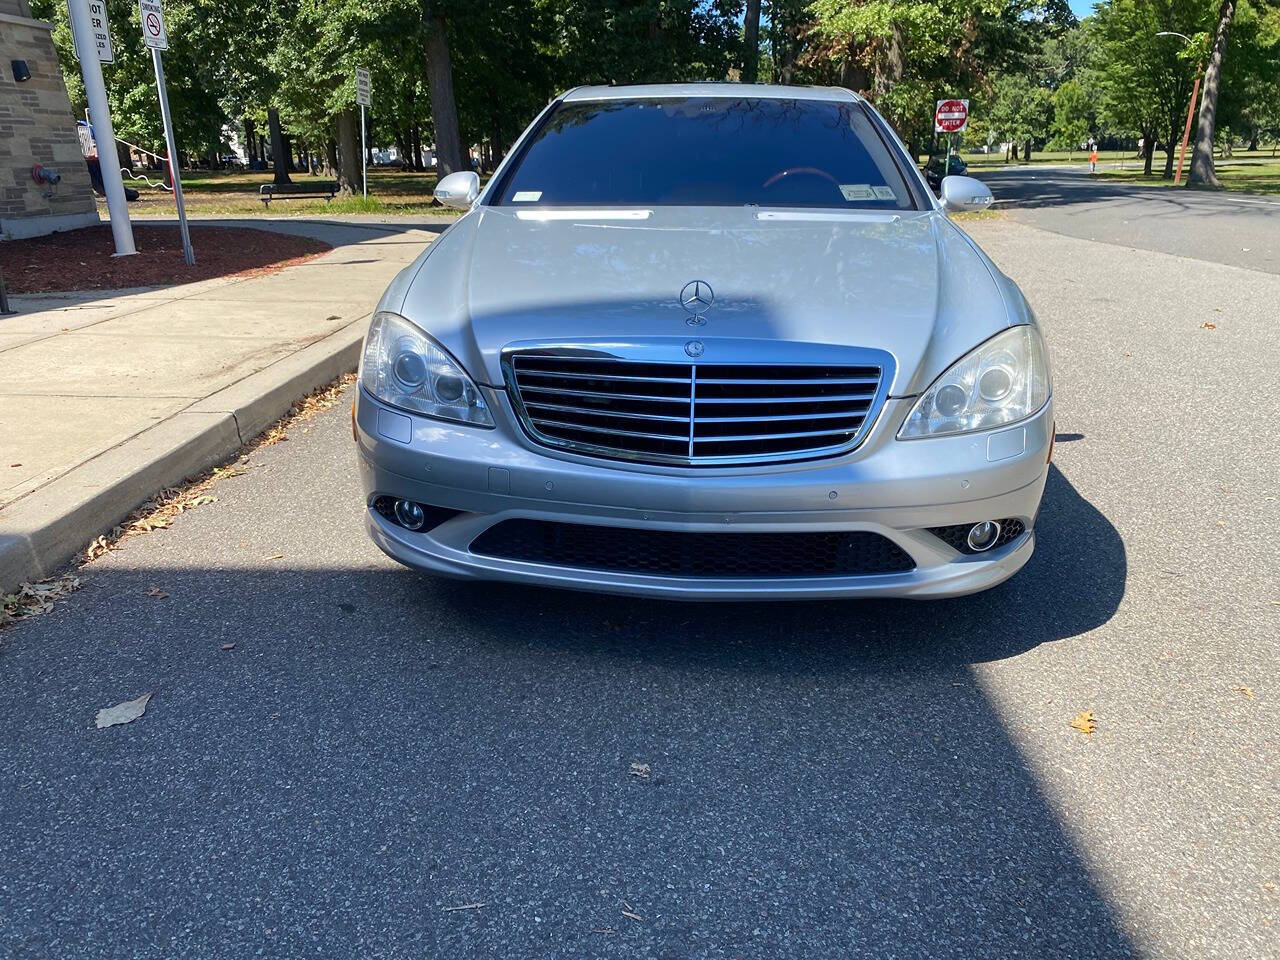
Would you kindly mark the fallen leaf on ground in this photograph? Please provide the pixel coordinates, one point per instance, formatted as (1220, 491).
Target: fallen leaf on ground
(98, 548)
(126, 712)
(1208, 325)
(34, 599)
(1084, 722)
(275, 556)
(1247, 691)
(157, 593)
(640, 771)
(228, 646)
(632, 916)
(465, 906)
(15, 464)
(603, 930)
(159, 511)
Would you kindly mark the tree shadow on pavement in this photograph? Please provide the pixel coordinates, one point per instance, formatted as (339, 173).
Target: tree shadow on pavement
(823, 779)
(1073, 583)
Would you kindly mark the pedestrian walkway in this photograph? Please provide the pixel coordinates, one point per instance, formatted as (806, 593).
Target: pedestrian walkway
(94, 381)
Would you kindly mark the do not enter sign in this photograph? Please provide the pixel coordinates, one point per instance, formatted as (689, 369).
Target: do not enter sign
(951, 116)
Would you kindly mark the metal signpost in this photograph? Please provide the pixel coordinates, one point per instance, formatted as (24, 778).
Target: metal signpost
(364, 97)
(86, 38)
(154, 36)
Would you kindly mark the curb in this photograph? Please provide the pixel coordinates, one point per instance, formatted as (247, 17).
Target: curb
(42, 531)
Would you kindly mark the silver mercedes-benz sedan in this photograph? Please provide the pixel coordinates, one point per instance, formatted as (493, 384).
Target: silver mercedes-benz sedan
(707, 341)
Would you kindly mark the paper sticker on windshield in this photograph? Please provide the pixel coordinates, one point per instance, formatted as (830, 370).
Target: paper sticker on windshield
(884, 193)
(527, 196)
(857, 191)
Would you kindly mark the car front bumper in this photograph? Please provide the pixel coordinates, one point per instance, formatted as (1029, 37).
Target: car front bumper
(891, 487)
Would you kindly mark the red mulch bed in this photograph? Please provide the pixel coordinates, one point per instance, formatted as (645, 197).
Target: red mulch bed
(82, 259)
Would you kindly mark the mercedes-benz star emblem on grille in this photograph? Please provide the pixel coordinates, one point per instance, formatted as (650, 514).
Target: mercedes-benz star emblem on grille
(694, 348)
(697, 297)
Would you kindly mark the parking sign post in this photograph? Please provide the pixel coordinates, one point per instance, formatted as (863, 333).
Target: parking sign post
(364, 97)
(155, 37)
(86, 42)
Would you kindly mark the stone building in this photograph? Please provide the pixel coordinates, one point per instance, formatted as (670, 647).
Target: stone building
(37, 127)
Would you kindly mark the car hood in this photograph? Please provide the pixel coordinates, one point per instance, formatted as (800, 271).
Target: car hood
(913, 284)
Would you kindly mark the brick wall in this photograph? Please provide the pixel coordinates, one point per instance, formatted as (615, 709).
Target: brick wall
(15, 8)
(36, 126)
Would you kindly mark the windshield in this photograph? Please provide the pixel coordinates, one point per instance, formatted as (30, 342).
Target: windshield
(707, 151)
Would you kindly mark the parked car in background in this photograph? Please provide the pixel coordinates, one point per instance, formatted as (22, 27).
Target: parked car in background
(937, 168)
(707, 341)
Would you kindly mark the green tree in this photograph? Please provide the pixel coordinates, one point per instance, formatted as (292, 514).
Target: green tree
(1145, 79)
(1073, 116)
(1021, 112)
(906, 54)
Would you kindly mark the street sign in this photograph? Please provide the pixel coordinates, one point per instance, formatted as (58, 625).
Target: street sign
(951, 116)
(364, 89)
(153, 34)
(101, 30)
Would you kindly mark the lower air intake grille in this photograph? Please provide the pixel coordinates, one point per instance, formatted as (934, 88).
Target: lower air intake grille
(957, 536)
(706, 555)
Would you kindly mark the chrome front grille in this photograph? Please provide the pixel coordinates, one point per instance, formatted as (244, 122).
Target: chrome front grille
(694, 413)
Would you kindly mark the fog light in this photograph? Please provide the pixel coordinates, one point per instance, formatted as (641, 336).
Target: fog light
(982, 536)
(410, 515)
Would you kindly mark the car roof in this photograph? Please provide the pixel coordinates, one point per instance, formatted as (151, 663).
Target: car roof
(759, 91)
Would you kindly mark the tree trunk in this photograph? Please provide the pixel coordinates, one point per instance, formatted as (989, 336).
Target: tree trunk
(893, 64)
(349, 151)
(1202, 172)
(1171, 145)
(331, 157)
(1148, 153)
(751, 42)
(279, 153)
(1026, 151)
(444, 109)
(854, 76)
(250, 142)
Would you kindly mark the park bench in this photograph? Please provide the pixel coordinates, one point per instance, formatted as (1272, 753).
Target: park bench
(294, 191)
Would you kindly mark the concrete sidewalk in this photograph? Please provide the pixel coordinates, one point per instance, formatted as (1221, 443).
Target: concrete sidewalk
(106, 397)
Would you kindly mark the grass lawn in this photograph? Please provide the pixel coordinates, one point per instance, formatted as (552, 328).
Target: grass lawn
(1048, 156)
(1253, 175)
(217, 193)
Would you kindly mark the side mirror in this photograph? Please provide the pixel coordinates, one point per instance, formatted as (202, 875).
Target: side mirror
(458, 189)
(965, 193)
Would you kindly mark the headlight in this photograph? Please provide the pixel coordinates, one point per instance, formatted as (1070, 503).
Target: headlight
(1004, 380)
(404, 367)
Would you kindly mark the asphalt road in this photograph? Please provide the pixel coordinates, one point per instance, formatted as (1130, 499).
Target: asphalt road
(880, 779)
(1232, 228)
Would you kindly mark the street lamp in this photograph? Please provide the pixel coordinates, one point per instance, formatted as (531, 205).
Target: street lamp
(1195, 92)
